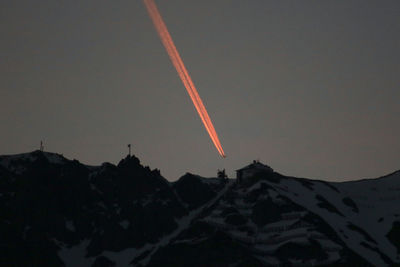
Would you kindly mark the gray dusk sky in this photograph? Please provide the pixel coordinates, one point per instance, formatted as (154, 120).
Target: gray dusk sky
(312, 88)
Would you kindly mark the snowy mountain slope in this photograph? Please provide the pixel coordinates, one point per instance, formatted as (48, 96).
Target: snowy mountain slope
(354, 218)
(78, 215)
(266, 226)
(378, 202)
(274, 219)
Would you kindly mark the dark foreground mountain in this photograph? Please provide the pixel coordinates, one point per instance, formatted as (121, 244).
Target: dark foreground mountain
(59, 212)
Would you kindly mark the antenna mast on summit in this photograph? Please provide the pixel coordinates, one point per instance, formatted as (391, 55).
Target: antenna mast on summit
(129, 148)
(41, 145)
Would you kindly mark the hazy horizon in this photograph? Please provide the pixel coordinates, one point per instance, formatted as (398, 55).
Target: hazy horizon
(231, 174)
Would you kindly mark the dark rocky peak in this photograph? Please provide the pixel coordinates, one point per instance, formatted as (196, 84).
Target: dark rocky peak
(188, 177)
(255, 172)
(130, 180)
(195, 190)
(20, 163)
(106, 166)
(130, 162)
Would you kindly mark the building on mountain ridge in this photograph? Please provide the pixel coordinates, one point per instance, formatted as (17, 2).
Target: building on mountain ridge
(252, 169)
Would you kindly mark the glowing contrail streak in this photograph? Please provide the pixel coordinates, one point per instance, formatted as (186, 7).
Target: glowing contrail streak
(182, 72)
(166, 38)
(177, 62)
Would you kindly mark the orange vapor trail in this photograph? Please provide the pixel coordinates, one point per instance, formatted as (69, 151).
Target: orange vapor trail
(167, 41)
(178, 64)
(182, 72)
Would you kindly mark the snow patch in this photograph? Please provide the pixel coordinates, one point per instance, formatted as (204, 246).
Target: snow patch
(76, 255)
(54, 158)
(94, 188)
(121, 258)
(125, 224)
(70, 226)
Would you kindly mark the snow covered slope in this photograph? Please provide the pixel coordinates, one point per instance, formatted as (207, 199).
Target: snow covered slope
(271, 219)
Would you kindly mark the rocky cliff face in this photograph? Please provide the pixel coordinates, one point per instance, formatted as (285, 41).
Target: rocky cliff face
(49, 204)
(59, 212)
